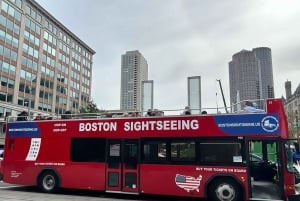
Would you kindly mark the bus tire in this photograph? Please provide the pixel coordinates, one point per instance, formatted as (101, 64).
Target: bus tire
(48, 181)
(225, 189)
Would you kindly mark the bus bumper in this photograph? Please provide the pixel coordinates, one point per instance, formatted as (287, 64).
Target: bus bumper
(294, 197)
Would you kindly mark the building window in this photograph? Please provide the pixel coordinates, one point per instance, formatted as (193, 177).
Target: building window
(28, 76)
(6, 97)
(6, 82)
(33, 26)
(29, 63)
(45, 107)
(30, 50)
(6, 67)
(46, 83)
(10, 10)
(47, 71)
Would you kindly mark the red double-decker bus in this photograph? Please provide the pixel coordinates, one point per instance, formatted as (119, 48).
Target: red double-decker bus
(206, 156)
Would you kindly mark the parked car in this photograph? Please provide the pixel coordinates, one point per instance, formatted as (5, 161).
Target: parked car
(262, 170)
(266, 170)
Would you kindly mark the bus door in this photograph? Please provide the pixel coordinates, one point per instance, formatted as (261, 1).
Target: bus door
(265, 169)
(122, 169)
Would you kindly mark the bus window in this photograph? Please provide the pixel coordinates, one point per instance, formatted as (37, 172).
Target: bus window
(114, 154)
(225, 152)
(130, 155)
(183, 151)
(87, 149)
(154, 151)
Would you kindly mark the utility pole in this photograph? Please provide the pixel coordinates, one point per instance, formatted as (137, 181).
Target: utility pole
(223, 96)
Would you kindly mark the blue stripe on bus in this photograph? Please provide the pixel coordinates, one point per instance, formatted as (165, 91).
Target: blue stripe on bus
(23, 129)
(249, 124)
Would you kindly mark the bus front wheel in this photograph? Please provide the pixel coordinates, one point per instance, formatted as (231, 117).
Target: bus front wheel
(48, 181)
(224, 190)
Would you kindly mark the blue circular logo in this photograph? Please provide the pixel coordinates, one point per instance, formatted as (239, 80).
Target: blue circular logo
(269, 124)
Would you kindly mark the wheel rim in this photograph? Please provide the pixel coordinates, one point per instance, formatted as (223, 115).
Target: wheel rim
(225, 192)
(48, 182)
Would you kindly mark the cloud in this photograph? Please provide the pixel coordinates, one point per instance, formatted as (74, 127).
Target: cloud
(180, 39)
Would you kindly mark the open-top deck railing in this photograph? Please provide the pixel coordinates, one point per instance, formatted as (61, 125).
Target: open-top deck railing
(258, 106)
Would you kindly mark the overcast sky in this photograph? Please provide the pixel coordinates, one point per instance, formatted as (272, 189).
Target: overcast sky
(181, 38)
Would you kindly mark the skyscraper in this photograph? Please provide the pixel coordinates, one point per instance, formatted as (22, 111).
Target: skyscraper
(44, 66)
(251, 75)
(288, 89)
(134, 70)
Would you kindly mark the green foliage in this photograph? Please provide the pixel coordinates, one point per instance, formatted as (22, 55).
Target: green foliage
(90, 110)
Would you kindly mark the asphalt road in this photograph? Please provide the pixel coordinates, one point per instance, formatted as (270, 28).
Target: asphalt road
(20, 193)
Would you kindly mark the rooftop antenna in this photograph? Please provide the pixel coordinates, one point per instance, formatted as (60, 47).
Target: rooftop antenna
(220, 84)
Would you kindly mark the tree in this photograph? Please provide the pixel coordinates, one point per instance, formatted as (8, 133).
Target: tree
(91, 110)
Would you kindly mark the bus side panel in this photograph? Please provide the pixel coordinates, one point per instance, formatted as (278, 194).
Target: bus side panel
(83, 176)
(169, 180)
(20, 172)
(186, 180)
(15, 169)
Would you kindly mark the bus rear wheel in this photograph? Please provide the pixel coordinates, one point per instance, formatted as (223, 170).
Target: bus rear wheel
(48, 181)
(224, 190)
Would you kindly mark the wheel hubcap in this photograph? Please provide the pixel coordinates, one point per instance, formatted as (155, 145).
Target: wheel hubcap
(49, 182)
(225, 192)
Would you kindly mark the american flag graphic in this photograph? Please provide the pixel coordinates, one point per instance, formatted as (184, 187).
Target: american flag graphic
(188, 183)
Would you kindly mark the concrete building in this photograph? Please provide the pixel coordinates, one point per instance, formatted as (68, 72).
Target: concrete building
(134, 70)
(194, 94)
(251, 75)
(292, 109)
(147, 96)
(44, 66)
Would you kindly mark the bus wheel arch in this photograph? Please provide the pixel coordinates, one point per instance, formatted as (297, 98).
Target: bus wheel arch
(224, 188)
(48, 180)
